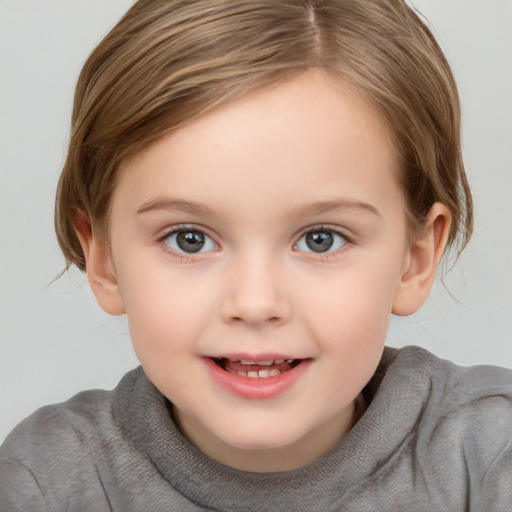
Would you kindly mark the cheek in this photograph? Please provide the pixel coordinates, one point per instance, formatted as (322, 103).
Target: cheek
(352, 310)
(350, 330)
(165, 313)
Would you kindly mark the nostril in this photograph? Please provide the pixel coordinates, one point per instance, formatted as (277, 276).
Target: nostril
(254, 309)
(251, 320)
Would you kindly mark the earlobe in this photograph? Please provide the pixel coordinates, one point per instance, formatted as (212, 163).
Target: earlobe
(99, 268)
(421, 261)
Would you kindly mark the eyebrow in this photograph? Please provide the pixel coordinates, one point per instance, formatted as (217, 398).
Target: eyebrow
(174, 205)
(341, 204)
(316, 208)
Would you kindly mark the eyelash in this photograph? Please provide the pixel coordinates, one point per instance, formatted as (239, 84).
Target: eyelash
(347, 241)
(185, 256)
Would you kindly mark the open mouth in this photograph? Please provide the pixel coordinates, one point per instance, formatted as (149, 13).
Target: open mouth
(256, 369)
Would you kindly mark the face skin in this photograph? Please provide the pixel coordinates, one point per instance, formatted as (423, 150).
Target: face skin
(256, 186)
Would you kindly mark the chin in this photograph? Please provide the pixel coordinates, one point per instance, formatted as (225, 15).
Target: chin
(261, 439)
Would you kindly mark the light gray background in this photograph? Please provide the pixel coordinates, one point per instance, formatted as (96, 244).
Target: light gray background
(56, 341)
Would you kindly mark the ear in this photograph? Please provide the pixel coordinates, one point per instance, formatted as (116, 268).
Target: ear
(421, 260)
(99, 267)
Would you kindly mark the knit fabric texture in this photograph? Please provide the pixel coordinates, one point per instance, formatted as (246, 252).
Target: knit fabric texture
(435, 437)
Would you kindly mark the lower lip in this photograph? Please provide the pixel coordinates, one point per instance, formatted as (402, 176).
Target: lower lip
(256, 389)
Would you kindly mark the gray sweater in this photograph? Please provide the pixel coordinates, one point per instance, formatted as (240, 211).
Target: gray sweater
(435, 437)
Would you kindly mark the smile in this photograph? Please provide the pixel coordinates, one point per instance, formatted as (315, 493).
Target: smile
(256, 369)
(256, 379)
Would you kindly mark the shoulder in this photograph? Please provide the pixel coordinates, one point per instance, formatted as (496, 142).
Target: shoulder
(472, 404)
(453, 385)
(59, 443)
(68, 424)
(477, 397)
(48, 440)
(465, 427)
(440, 389)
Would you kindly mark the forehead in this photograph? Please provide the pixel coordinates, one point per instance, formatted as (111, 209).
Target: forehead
(293, 138)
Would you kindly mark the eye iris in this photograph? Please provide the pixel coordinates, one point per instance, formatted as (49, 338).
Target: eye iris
(319, 241)
(190, 241)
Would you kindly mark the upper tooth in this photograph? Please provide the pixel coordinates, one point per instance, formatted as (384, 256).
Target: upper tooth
(263, 363)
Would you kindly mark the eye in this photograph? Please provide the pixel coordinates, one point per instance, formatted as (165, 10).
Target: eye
(189, 241)
(321, 241)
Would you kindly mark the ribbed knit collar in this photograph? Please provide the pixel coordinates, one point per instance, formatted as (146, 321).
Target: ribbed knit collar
(395, 395)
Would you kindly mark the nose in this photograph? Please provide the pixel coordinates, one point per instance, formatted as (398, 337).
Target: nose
(255, 294)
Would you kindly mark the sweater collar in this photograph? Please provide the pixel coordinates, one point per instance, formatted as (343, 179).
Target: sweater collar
(395, 398)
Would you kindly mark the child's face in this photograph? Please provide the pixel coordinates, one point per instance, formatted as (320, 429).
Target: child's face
(270, 230)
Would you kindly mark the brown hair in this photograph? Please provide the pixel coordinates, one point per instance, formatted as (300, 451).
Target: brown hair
(168, 61)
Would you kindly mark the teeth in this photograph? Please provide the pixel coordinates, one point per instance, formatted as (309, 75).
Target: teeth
(260, 374)
(267, 367)
(264, 363)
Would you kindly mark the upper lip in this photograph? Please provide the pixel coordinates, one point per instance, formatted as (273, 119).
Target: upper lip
(260, 358)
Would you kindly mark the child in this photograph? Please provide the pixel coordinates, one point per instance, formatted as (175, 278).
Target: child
(258, 185)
